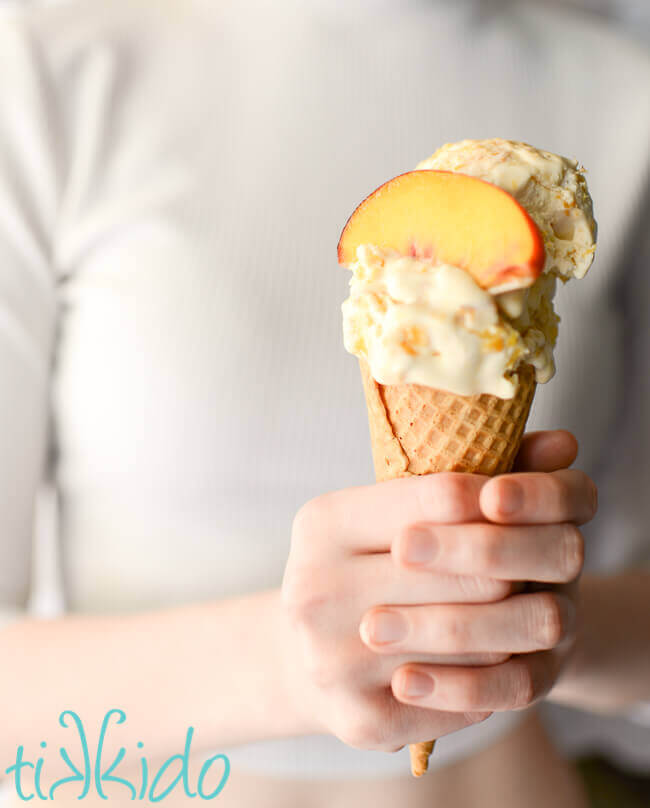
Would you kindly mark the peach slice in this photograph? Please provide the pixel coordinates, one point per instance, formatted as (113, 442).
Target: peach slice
(452, 219)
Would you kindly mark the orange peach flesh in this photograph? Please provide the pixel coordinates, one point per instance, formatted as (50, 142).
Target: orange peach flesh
(452, 219)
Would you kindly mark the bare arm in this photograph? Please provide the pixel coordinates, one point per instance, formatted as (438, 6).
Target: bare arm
(611, 666)
(217, 667)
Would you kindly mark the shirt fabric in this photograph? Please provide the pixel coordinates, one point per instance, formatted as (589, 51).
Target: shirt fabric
(173, 180)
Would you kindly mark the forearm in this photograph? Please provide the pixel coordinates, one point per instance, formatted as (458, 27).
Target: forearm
(218, 667)
(610, 669)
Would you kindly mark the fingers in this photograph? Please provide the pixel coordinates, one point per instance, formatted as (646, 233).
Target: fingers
(546, 553)
(411, 724)
(429, 701)
(567, 495)
(398, 584)
(366, 519)
(546, 451)
(379, 722)
(520, 624)
(512, 685)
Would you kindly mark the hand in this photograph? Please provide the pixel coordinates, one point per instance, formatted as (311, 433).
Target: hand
(531, 535)
(346, 567)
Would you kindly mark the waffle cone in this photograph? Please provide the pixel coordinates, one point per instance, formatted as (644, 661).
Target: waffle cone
(421, 430)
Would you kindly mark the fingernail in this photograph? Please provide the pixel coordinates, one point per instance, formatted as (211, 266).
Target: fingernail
(418, 685)
(387, 627)
(421, 546)
(511, 497)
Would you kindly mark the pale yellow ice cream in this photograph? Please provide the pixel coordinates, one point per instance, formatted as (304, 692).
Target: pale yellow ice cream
(422, 323)
(551, 188)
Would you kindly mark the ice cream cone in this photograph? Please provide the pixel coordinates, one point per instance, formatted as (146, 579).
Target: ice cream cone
(420, 753)
(421, 430)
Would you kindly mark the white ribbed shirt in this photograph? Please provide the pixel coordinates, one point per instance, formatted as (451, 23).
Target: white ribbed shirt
(173, 180)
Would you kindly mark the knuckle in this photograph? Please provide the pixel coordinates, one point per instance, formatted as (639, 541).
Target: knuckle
(489, 548)
(312, 519)
(302, 600)
(572, 552)
(447, 492)
(454, 633)
(551, 623)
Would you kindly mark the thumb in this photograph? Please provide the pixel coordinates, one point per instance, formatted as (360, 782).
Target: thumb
(546, 451)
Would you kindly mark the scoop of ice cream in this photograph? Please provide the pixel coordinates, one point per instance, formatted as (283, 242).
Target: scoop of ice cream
(427, 323)
(422, 323)
(551, 188)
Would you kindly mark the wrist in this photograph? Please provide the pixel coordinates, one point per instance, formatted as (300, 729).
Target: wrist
(298, 693)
